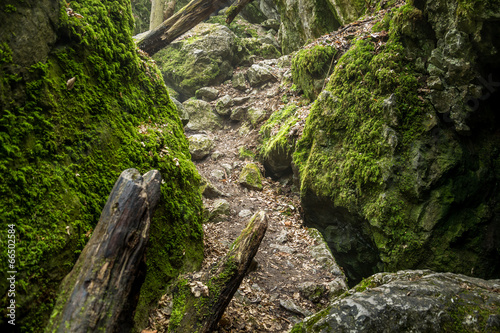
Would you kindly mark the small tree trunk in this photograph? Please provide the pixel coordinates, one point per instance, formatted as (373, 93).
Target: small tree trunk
(99, 294)
(235, 10)
(201, 313)
(157, 9)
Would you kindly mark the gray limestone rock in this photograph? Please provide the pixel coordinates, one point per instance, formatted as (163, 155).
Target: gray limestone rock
(207, 94)
(199, 146)
(412, 301)
(223, 105)
(239, 81)
(201, 116)
(260, 74)
(183, 115)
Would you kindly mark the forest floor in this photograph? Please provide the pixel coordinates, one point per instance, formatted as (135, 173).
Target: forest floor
(276, 293)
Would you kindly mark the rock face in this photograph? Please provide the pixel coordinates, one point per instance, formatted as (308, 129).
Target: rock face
(259, 74)
(412, 301)
(397, 174)
(61, 150)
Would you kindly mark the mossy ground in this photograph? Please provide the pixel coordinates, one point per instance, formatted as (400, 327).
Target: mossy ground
(62, 150)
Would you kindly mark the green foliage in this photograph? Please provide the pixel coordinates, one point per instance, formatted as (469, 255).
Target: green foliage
(62, 150)
(245, 154)
(310, 68)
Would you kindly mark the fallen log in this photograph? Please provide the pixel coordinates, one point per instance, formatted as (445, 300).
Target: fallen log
(100, 293)
(202, 303)
(182, 21)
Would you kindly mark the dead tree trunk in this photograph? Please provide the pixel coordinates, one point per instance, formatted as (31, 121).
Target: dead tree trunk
(98, 294)
(204, 302)
(185, 19)
(235, 10)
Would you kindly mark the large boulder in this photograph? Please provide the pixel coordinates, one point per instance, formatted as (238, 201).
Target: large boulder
(63, 144)
(399, 175)
(412, 301)
(203, 59)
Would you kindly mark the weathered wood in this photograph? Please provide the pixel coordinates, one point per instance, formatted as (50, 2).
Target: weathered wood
(99, 294)
(203, 312)
(235, 10)
(182, 21)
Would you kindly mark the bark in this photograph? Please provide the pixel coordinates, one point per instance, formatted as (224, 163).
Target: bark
(157, 9)
(235, 10)
(170, 8)
(201, 314)
(182, 21)
(100, 293)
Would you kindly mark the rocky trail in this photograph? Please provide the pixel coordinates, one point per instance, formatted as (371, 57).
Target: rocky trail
(294, 273)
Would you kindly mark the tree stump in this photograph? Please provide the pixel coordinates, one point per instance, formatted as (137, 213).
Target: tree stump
(100, 293)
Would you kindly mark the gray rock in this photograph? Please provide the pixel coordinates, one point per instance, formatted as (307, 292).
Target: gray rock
(313, 291)
(208, 94)
(201, 116)
(259, 74)
(321, 252)
(294, 308)
(227, 167)
(255, 115)
(241, 100)
(183, 115)
(245, 213)
(216, 155)
(283, 248)
(202, 60)
(218, 174)
(208, 190)
(239, 81)
(239, 113)
(412, 301)
(223, 105)
(271, 24)
(199, 146)
(250, 177)
(219, 210)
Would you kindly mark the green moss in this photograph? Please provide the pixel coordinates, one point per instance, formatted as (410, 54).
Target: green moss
(275, 132)
(246, 154)
(141, 11)
(310, 68)
(342, 154)
(62, 150)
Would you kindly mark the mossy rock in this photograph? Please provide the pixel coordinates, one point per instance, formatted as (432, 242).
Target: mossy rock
(61, 150)
(388, 188)
(250, 177)
(311, 67)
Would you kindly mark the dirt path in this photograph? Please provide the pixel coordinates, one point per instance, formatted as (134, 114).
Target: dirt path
(295, 274)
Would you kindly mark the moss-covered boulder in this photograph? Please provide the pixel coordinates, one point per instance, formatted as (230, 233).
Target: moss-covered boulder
(311, 67)
(204, 59)
(412, 301)
(278, 141)
(78, 105)
(390, 182)
(250, 177)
